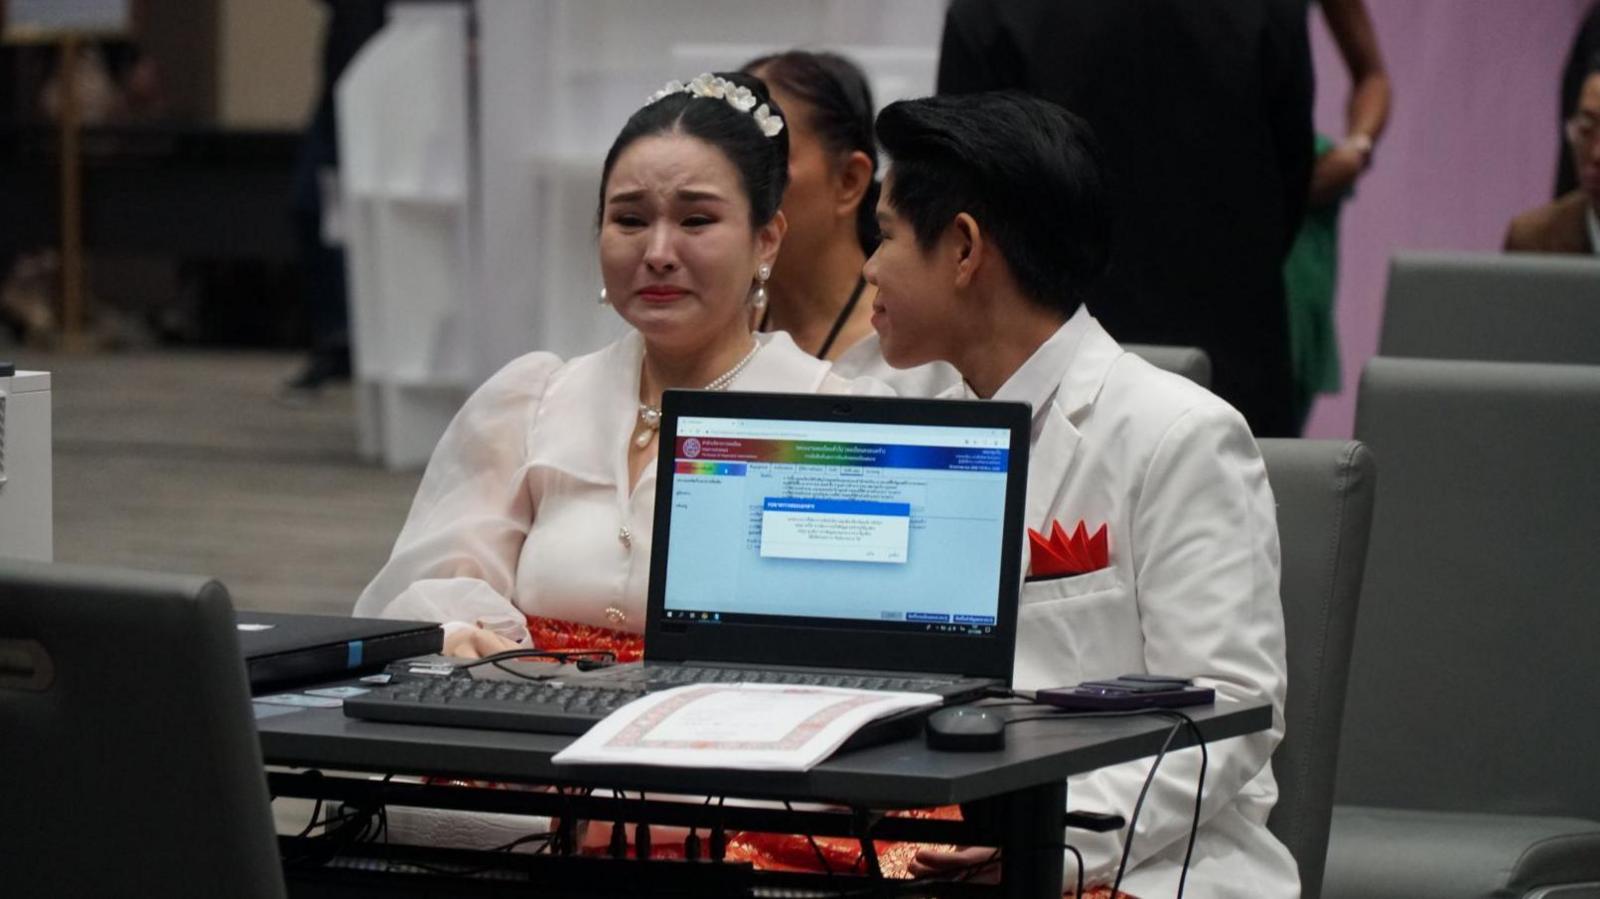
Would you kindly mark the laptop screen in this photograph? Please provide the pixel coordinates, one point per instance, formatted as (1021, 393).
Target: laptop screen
(848, 524)
(844, 524)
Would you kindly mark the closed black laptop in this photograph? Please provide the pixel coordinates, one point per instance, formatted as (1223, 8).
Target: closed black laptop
(280, 648)
(129, 762)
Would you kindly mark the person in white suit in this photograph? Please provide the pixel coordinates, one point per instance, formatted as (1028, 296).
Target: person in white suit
(994, 216)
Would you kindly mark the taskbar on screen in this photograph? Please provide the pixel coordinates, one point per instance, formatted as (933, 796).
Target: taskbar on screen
(912, 622)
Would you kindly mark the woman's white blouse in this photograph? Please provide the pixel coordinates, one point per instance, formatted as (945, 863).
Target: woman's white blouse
(525, 507)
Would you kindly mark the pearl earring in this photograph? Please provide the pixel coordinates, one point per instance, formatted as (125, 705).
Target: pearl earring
(758, 297)
(603, 299)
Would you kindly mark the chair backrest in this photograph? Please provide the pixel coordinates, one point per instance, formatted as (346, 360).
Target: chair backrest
(1518, 307)
(1324, 490)
(1191, 362)
(1474, 679)
(129, 762)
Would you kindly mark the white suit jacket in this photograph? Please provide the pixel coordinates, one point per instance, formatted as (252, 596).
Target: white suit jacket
(1191, 590)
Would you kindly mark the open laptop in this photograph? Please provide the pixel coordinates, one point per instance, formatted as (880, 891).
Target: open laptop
(869, 541)
(282, 648)
(829, 540)
(129, 763)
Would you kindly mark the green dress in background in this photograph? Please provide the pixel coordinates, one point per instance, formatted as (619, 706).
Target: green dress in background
(1311, 276)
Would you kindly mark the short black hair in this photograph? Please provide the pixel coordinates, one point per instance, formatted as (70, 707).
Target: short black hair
(1028, 171)
(762, 161)
(841, 114)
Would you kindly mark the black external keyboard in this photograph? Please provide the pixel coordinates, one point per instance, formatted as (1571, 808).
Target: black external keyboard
(659, 676)
(572, 708)
(496, 705)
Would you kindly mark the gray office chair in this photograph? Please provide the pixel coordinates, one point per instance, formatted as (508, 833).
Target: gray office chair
(129, 762)
(1324, 491)
(1467, 766)
(1191, 362)
(1519, 307)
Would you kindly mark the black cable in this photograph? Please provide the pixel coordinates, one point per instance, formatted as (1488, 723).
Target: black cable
(560, 655)
(691, 847)
(316, 811)
(718, 850)
(1199, 794)
(1199, 790)
(869, 849)
(1184, 720)
(501, 666)
(691, 843)
(585, 659)
(617, 847)
(1078, 894)
(541, 837)
(641, 831)
(817, 850)
(1138, 804)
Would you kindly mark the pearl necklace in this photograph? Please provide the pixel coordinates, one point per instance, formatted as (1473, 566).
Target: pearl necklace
(650, 416)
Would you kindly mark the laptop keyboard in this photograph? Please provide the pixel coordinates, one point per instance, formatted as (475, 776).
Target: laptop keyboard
(678, 675)
(572, 708)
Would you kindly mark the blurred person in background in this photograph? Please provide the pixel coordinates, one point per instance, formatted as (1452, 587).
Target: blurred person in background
(1205, 113)
(1585, 44)
(1570, 224)
(817, 292)
(350, 24)
(1311, 273)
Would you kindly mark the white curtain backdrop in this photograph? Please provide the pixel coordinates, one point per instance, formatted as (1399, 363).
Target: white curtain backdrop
(557, 80)
(405, 179)
(471, 171)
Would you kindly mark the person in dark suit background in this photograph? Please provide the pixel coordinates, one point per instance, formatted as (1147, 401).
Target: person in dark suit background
(350, 24)
(1204, 110)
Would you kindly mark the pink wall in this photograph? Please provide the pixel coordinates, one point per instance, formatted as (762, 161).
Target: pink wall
(1471, 142)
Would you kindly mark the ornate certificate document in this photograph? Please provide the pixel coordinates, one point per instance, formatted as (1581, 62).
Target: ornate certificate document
(768, 727)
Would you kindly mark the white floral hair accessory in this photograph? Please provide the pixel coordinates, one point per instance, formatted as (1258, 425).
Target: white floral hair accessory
(714, 87)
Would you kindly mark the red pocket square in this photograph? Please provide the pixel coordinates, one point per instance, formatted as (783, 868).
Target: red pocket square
(1062, 554)
(1099, 549)
(1044, 560)
(1066, 549)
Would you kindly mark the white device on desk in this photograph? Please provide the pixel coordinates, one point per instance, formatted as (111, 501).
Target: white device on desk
(26, 509)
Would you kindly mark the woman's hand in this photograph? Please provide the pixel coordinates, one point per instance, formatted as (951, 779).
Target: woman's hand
(1335, 173)
(475, 643)
(974, 864)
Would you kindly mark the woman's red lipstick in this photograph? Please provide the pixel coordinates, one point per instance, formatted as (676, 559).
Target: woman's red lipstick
(660, 293)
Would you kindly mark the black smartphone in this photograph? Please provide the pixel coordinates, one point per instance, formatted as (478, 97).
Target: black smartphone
(1109, 696)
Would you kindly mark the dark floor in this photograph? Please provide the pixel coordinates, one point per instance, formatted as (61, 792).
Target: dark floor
(186, 462)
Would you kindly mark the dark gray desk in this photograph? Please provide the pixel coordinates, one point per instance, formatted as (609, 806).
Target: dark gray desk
(1015, 797)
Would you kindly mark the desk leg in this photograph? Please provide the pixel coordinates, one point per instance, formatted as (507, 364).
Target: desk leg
(1030, 836)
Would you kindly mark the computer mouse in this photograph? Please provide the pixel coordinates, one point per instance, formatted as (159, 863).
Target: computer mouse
(966, 728)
